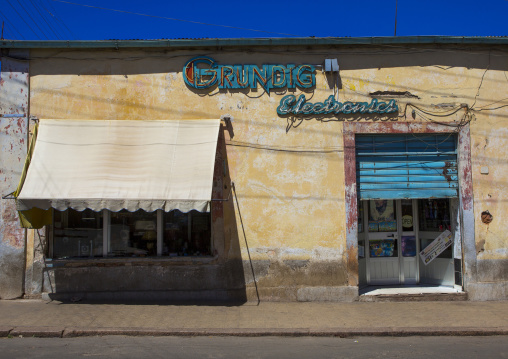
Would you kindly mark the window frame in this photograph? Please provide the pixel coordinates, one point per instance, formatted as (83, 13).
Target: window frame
(106, 239)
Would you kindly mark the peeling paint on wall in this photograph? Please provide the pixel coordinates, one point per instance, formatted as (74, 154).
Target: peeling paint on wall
(296, 185)
(13, 148)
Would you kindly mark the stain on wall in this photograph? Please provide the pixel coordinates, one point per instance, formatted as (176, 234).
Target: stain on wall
(289, 174)
(13, 148)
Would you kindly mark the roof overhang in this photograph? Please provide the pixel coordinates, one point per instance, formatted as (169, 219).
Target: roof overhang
(253, 42)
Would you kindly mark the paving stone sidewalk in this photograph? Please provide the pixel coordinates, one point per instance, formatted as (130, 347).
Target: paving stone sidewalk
(56, 319)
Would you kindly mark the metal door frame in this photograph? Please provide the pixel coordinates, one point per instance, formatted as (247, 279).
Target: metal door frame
(465, 207)
(398, 233)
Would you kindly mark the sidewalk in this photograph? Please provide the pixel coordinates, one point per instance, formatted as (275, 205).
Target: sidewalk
(56, 319)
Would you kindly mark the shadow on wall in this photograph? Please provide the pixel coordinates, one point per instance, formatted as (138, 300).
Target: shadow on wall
(126, 62)
(214, 280)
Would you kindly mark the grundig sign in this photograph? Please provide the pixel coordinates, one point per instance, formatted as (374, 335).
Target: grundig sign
(203, 72)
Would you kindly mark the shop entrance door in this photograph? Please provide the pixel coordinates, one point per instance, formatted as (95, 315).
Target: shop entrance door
(391, 245)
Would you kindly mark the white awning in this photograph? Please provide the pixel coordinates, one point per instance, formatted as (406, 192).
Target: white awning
(122, 164)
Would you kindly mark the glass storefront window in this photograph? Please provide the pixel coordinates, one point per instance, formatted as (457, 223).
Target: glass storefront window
(447, 253)
(130, 234)
(77, 234)
(434, 215)
(186, 234)
(133, 233)
(382, 216)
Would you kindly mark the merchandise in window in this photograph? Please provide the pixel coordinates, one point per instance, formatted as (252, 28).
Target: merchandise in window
(186, 234)
(133, 233)
(77, 234)
(130, 234)
(434, 215)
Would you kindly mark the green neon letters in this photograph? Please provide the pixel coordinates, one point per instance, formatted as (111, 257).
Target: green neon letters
(290, 105)
(203, 72)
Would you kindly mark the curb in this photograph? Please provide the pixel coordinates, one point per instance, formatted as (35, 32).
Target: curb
(58, 332)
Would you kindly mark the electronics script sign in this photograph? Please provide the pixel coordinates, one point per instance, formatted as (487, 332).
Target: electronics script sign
(203, 72)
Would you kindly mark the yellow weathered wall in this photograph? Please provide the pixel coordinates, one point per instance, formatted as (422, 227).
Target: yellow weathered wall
(292, 203)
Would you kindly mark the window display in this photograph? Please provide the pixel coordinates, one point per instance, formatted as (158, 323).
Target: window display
(186, 234)
(77, 234)
(130, 234)
(133, 233)
(382, 216)
(434, 215)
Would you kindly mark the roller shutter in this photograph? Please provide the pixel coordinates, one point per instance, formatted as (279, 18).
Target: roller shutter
(406, 166)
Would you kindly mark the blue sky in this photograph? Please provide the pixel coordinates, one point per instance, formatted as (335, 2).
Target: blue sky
(50, 19)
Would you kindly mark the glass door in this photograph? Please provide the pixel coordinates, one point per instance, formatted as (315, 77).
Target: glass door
(382, 247)
(409, 273)
(391, 244)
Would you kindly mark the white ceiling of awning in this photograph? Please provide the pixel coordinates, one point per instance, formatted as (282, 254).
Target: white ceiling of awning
(122, 164)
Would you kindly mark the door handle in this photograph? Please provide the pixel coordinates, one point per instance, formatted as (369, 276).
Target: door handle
(391, 235)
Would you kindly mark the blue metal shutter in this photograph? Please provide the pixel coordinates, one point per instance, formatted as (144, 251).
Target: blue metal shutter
(406, 166)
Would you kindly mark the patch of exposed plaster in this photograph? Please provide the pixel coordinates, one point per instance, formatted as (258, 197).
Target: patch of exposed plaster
(480, 246)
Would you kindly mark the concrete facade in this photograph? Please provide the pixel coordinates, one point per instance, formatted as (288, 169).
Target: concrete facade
(289, 234)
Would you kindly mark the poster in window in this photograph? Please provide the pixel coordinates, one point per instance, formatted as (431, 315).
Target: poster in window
(438, 245)
(408, 246)
(382, 248)
(382, 216)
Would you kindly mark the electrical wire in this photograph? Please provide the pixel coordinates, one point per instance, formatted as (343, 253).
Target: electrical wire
(35, 22)
(175, 19)
(490, 109)
(281, 149)
(8, 1)
(57, 19)
(45, 20)
(479, 86)
(9, 22)
(492, 103)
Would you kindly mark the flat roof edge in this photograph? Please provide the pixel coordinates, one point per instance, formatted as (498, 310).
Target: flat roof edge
(299, 41)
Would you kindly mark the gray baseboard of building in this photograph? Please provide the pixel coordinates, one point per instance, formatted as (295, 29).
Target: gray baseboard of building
(204, 297)
(485, 291)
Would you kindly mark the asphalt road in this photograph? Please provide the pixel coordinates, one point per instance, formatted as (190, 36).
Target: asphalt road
(264, 347)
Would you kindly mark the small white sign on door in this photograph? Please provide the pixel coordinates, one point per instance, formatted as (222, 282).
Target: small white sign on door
(438, 245)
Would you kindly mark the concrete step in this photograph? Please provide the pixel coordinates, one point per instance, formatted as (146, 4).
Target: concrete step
(413, 297)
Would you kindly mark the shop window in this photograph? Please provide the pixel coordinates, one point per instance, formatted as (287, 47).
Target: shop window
(133, 233)
(434, 215)
(77, 234)
(382, 216)
(130, 234)
(186, 234)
